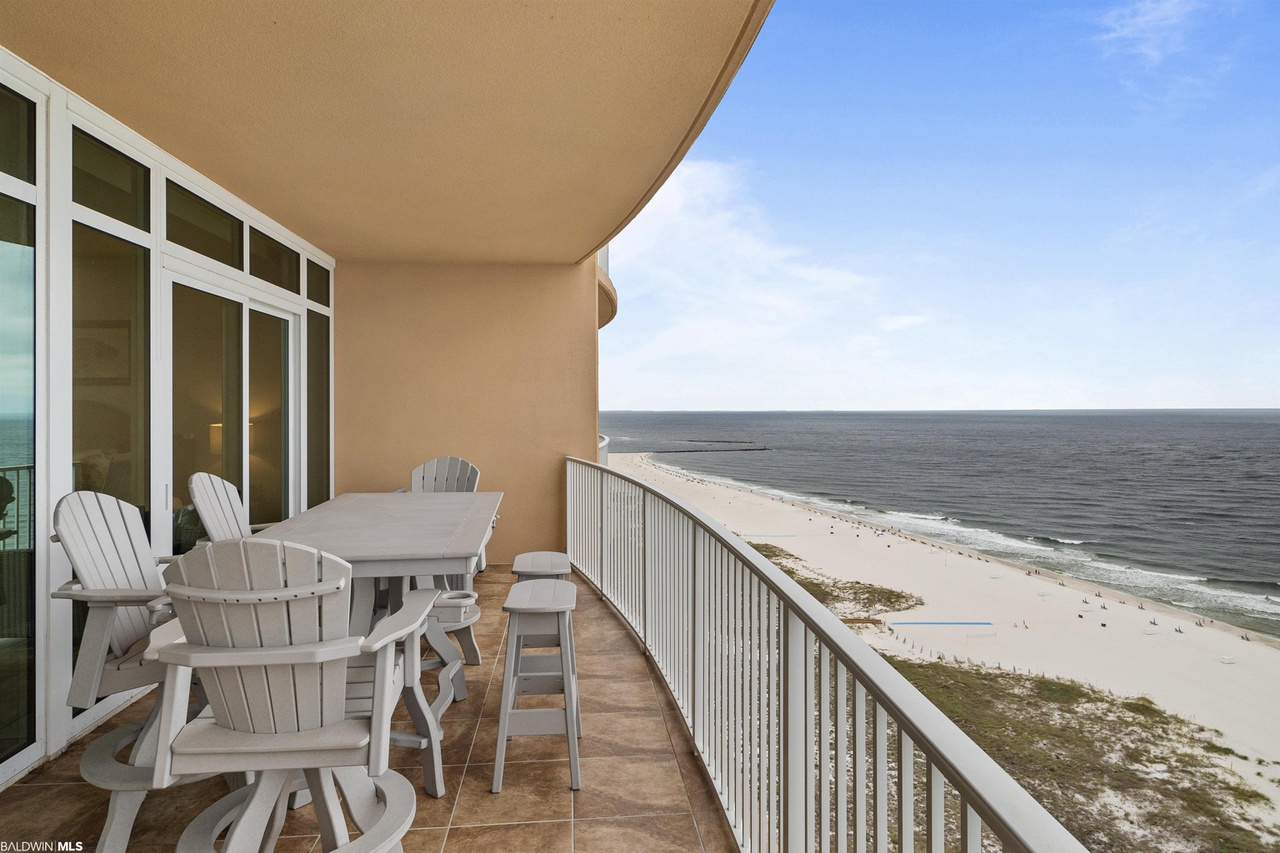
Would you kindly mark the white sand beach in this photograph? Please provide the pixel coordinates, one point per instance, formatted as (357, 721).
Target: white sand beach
(1184, 673)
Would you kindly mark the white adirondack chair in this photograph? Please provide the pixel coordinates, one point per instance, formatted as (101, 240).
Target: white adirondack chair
(221, 511)
(290, 693)
(117, 577)
(445, 474)
(453, 474)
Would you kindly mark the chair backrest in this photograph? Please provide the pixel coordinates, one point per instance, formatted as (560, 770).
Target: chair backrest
(257, 594)
(445, 474)
(221, 511)
(108, 548)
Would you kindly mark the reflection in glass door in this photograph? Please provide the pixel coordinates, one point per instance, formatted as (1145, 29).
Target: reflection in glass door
(269, 483)
(207, 400)
(17, 481)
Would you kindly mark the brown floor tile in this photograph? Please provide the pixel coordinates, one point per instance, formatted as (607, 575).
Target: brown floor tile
(458, 735)
(612, 666)
(608, 696)
(519, 748)
(166, 813)
(64, 812)
(674, 833)
(681, 740)
(434, 811)
(556, 837)
(717, 837)
(623, 734)
(701, 791)
(424, 840)
(531, 791)
(635, 785)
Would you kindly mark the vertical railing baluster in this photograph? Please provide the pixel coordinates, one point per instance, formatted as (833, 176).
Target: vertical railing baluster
(842, 758)
(824, 749)
(906, 792)
(793, 765)
(970, 829)
(859, 782)
(935, 815)
(880, 783)
(810, 744)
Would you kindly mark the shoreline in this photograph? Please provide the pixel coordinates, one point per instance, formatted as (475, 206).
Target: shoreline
(1084, 585)
(1207, 675)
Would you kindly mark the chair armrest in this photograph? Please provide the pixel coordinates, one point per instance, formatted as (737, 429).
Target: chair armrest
(254, 528)
(411, 616)
(165, 635)
(119, 597)
(164, 561)
(189, 655)
(160, 604)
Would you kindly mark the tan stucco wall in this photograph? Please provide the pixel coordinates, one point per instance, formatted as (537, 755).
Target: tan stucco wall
(494, 363)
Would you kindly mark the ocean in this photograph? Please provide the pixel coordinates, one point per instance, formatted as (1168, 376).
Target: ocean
(1178, 506)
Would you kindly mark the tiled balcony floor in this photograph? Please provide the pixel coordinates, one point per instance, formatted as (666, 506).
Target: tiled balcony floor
(642, 787)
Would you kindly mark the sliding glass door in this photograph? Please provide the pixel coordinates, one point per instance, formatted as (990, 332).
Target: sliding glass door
(17, 476)
(231, 405)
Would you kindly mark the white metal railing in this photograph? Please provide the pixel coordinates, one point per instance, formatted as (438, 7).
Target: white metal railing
(812, 739)
(602, 450)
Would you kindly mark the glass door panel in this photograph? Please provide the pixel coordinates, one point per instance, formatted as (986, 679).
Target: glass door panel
(269, 483)
(17, 480)
(317, 407)
(207, 400)
(111, 367)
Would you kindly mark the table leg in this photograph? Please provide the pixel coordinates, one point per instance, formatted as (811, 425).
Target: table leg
(439, 642)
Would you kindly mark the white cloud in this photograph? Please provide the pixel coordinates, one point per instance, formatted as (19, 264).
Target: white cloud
(1152, 29)
(718, 312)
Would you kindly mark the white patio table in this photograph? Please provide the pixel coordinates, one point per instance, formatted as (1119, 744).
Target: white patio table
(398, 536)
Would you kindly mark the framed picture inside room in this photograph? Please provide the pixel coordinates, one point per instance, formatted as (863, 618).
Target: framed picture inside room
(102, 352)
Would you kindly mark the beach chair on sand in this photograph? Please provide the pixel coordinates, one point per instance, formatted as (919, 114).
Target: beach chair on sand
(292, 697)
(117, 577)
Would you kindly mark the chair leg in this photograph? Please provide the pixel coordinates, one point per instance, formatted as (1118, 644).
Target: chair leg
(573, 662)
(121, 814)
(250, 828)
(571, 721)
(360, 794)
(333, 824)
(509, 671)
(467, 641)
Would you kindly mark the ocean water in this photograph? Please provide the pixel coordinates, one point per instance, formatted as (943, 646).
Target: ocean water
(1178, 506)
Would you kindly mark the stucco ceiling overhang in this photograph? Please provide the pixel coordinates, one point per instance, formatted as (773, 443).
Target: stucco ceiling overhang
(409, 130)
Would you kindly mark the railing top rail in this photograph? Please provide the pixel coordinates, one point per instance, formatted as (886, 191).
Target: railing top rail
(1017, 818)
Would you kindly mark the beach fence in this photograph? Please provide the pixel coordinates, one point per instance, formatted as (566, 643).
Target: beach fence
(812, 740)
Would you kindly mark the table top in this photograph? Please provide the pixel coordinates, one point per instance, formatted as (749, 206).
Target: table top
(382, 526)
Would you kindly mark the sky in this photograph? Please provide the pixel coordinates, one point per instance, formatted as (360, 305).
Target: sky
(965, 204)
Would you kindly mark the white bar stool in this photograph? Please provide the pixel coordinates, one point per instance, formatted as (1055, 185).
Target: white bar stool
(541, 617)
(540, 564)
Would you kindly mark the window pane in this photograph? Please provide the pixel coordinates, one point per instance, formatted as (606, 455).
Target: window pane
(109, 182)
(17, 476)
(17, 136)
(203, 227)
(111, 383)
(268, 418)
(207, 401)
(317, 408)
(317, 283)
(270, 260)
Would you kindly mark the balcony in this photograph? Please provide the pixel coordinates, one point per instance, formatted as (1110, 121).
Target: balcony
(723, 708)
